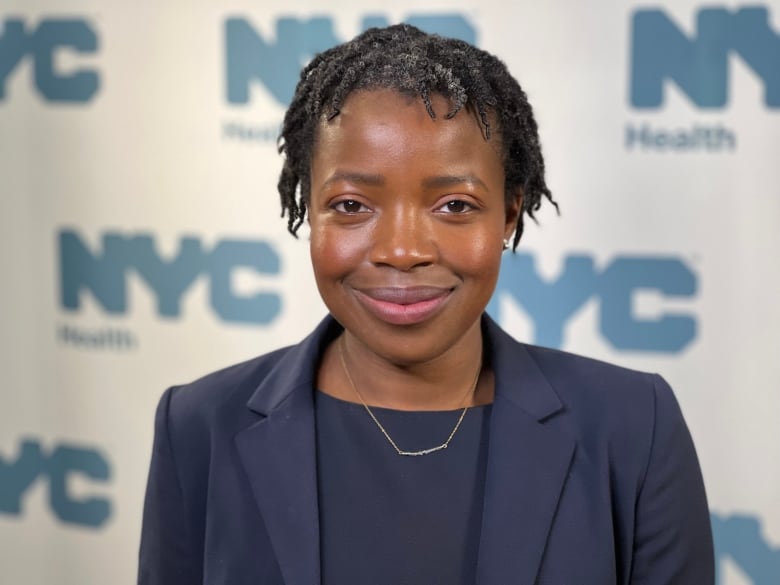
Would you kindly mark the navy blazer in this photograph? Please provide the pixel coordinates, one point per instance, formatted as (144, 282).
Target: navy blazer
(592, 477)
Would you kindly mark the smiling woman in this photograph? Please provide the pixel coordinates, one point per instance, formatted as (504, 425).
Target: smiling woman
(408, 440)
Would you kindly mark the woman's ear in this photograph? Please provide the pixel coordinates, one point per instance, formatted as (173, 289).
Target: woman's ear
(514, 207)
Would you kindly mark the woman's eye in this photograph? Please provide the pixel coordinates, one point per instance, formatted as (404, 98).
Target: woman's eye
(350, 206)
(456, 206)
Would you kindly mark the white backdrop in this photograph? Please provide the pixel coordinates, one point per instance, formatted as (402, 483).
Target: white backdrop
(141, 244)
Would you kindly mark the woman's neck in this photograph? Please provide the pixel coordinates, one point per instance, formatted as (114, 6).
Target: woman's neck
(454, 379)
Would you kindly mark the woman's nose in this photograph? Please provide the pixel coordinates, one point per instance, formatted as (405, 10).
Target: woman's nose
(404, 239)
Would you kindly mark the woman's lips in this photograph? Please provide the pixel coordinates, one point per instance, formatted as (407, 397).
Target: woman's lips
(403, 305)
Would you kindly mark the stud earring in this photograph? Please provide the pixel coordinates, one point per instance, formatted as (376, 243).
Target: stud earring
(506, 244)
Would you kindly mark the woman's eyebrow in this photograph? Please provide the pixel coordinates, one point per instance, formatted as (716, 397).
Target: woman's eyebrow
(375, 180)
(355, 177)
(450, 180)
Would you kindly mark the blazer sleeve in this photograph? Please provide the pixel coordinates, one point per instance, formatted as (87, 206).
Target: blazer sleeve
(168, 553)
(672, 538)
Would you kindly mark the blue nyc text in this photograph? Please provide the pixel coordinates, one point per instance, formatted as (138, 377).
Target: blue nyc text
(549, 303)
(739, 538)
(552, 303)
(56, 466)
(41, 44)
(105, 274)
(699, 65)
(276, 64)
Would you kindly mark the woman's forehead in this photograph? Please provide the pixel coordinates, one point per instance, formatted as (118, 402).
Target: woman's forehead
(384, 134)
(371, 109)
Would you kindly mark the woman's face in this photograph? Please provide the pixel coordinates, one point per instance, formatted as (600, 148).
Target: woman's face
(408, 217)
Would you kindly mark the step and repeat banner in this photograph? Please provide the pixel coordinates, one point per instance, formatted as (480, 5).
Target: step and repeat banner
(141, 242)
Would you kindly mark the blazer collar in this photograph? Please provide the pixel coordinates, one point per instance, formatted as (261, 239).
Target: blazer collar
(296, 370)
(278, 453)
(518, 377)
(528, 464)
(527, 467)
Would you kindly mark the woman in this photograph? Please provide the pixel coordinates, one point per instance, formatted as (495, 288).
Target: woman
(408, 440)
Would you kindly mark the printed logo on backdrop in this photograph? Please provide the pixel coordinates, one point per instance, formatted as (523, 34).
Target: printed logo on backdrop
(740, 539)
(697, 65)
(273, 62)
(34, 464)
(101, 275)
(551, 304)
(41, 46)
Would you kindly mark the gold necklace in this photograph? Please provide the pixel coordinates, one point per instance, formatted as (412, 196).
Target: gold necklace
(398, 450)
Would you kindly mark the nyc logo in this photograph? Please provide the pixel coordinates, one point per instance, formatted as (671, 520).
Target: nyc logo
(740, 539)
(551, 304)
(105, 274)
(276, 63)
(699, 64)
(41, 44)
(56, 466)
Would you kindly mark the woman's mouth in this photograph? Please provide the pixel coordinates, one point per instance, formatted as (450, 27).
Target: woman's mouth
(403, 305)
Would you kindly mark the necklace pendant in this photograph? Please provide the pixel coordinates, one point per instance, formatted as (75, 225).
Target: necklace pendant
(423, 452)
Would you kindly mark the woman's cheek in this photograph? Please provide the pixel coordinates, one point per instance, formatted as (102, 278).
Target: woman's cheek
(336, 251)
(481, 257)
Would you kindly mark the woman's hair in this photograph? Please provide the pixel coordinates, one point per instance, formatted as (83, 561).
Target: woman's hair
(410, 61)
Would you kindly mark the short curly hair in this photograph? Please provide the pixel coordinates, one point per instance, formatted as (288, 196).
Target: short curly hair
(404, 58)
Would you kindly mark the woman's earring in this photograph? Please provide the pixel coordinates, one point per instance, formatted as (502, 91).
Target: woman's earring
(506, 244)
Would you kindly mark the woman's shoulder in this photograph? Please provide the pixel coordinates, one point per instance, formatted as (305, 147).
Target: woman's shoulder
(225, 394)
(620, 418)
(572, 377)
(221, 385)
(218, 400)
(583, 373)
(600, 384)
(590, 398)
(602, 402)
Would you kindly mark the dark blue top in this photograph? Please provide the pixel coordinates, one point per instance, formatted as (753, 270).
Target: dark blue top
(387, 519)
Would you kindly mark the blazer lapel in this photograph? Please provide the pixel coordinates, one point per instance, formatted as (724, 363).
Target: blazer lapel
(278, 453)
(528, 463)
